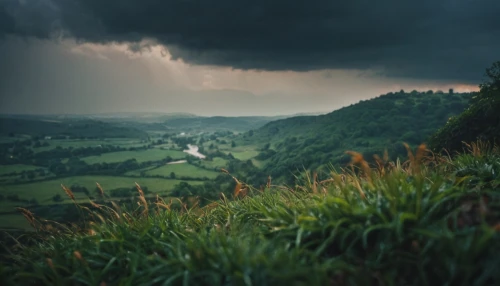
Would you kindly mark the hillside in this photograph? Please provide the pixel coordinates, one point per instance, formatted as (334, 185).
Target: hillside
(76, 128)
(481, 120)
(369, 126)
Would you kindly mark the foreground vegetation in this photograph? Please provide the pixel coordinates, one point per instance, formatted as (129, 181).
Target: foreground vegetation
(429, 220)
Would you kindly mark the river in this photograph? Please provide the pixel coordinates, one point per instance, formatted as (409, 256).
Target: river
(193, 150)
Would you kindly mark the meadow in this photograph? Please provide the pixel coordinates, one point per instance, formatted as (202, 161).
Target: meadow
(141, 156)
(216, 163)
(182, 170)
(45, 190)
(77, 143)
(245, 154)
(17, 168)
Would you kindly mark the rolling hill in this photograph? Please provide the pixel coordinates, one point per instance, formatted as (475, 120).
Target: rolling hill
(368, 127)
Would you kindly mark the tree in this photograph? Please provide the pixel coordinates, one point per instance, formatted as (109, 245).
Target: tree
(172, 175)
(481, 121)
(233, 144)
(57, 198)
(31, 175)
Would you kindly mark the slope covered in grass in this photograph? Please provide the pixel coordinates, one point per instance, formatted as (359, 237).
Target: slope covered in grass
(428, 221)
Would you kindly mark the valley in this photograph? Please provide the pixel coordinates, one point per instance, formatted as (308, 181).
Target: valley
(175, 156)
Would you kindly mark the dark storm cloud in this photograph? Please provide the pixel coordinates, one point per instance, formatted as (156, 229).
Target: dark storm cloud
(447, 39)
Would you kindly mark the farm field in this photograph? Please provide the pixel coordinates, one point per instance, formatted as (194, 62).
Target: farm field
(182, 170)
(138, 172)
(140, 156)
(215, 164)
(244, 155)
(44, 191)
(125, 143)
(15, 220)
(17, 168)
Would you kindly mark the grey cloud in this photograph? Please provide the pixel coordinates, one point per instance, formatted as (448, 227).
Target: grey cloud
(447, 39)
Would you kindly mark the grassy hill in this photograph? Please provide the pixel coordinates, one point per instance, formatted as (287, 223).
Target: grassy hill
(369, 126)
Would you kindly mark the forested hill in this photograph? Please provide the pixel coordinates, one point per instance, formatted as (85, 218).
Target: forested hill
(369, 127)
(75, 128)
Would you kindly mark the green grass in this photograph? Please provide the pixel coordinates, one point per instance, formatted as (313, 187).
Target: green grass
(183, 170)
(44, 191)
(139, 171)
(13, 221)
(409, 224)
(217, 163)
(140, 156)
(244, 155)
(17, 168)
(259, 164)
(125, 143)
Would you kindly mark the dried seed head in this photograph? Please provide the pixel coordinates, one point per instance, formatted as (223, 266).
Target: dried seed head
(50, 263)
(101, 191)
(68, 192)
(77, 255)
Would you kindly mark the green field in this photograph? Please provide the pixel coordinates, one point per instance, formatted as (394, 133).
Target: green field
(16, 221)
(125, 143)
(139, 171)
(215, 164)
(44, 191)
(17, 168)
(259, 164)
(244, 155)
(140, 156)
(182, 170)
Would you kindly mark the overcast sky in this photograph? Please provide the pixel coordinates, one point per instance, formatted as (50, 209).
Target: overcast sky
(245, 57)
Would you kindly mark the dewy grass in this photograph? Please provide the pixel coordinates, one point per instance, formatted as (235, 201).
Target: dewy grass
(409, 223)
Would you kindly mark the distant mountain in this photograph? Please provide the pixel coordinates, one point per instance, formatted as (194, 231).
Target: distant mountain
(78, 128)
(158, 116)
(219, 123)
(368, 127)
